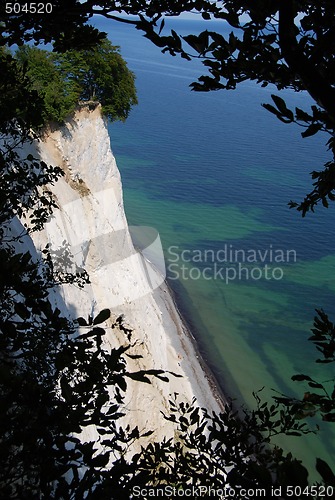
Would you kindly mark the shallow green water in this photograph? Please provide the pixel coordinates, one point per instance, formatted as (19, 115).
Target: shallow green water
(216, 171)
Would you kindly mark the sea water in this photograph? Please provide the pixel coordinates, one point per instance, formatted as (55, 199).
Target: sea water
(213, 173)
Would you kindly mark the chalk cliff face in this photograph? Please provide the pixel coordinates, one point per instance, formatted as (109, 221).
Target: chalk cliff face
(92, 222)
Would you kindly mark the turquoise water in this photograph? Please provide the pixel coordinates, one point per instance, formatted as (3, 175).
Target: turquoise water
(212, 172)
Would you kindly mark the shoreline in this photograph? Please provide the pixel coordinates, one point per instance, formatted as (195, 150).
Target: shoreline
(193, 365)
(209, 374)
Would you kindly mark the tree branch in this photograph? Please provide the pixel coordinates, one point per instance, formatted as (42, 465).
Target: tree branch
(317, 86)
(325, 45)
(115, 18)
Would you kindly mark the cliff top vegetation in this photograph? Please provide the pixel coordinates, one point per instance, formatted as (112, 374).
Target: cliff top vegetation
(52, 382)
(59, 81)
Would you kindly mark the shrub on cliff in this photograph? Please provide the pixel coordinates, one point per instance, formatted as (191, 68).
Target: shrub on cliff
(61, 80)
(100, 75)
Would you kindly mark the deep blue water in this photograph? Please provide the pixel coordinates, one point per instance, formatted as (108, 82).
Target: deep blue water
(214, 169)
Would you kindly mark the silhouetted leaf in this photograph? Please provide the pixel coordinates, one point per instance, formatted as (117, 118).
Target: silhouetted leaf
(315, 385)
(161, 26)
(301, 377)
(281, 105)
(311, 130)
(100, 460)
(140, 376)
(302, 115)
(102, 316)
(82, 322)
(325, 471)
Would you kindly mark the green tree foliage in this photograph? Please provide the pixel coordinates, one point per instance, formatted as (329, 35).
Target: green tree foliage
(59, 98)
(321, 400)
(61, 81)
(17, 99)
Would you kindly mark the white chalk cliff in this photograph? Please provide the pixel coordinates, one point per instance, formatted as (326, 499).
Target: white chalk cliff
(91, 219)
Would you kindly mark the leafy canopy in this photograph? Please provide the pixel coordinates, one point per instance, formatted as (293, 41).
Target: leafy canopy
(62, 80)
(58, 97)
(100, 75)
